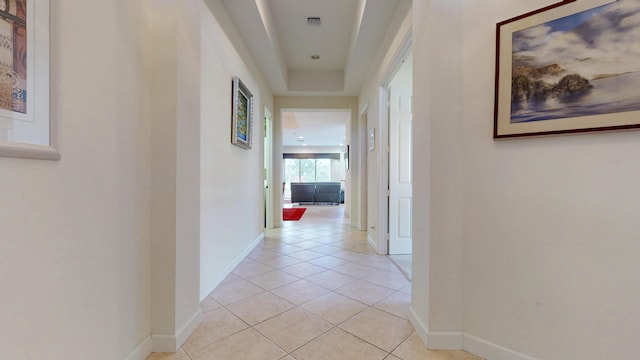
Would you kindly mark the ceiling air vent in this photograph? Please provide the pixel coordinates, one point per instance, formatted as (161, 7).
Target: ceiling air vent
(314, 21)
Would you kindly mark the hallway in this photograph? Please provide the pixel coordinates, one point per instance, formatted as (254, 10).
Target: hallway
(313, 289)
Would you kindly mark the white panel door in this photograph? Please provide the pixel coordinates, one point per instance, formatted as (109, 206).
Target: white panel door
(400, 185)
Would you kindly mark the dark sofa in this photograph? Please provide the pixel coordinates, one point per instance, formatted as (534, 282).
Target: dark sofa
(315, 193)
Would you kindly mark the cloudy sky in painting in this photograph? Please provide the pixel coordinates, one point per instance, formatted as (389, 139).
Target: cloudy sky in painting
(600, 41)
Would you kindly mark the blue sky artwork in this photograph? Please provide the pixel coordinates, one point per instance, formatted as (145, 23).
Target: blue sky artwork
(601, 45)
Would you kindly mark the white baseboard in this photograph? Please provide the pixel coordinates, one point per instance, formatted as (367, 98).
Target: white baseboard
(188, 328)
(421, 329)
(445, 340)
(372, 243)
(163, 343)
(459, 340)
(171, 343)
(491, 351)
(207, 288)
(141, 351)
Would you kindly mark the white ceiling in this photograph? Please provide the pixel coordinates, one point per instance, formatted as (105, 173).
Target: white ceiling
(315, 128)
(281, 44)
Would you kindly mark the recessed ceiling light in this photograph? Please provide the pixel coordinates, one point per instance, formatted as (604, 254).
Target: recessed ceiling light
(315, 57)
(300, 137)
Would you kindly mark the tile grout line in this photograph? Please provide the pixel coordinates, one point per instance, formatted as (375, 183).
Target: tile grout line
(336, 326)
(287, 238)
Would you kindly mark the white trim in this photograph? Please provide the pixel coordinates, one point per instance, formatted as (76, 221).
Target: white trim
(383, 169)
(171, 343)
(421, 329)
(384, 91)
(373, 244)
(435, 340)
(362, 177)
(206, 289)
(399, 55)
(163, 343)
(491, 351)
(445, 340)
(271, 190)
(364, 108)
(466, 342)
(188, 328)
(141, 351)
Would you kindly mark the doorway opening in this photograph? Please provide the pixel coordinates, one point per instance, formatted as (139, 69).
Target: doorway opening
(314, 148)
(397, 93)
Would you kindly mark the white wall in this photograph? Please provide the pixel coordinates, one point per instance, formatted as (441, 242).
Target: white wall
(75, 234)
(438, 181)
(561, 212)
(532, 243)
(101, 250)
(232, 215)
(175, 90)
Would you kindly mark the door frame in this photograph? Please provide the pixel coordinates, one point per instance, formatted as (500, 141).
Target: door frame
(268, 168)
(383, 175)
(399, 154)
(364, 172)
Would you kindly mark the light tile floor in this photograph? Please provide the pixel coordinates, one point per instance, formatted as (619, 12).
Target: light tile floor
(311, 290)
(403, 262)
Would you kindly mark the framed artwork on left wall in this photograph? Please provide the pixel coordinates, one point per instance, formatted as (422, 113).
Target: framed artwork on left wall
(27, 129)
(242, 115)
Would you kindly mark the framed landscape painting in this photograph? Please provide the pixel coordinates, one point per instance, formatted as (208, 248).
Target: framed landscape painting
(26, 127)
(242, 115)
(570, 67)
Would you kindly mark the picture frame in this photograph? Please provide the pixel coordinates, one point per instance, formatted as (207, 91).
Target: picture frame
(27, 127)
(557, 73)
(242, 115)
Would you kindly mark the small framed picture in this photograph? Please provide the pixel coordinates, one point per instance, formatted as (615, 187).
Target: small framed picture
(242, 115)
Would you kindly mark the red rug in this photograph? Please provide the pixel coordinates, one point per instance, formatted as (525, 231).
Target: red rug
(292, 214)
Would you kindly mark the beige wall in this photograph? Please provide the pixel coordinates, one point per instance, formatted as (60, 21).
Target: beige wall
(174, 89)
(531, 243)
(522, 247)
(438, 179)
(102, 250)
(232, 212)
(75, 233)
